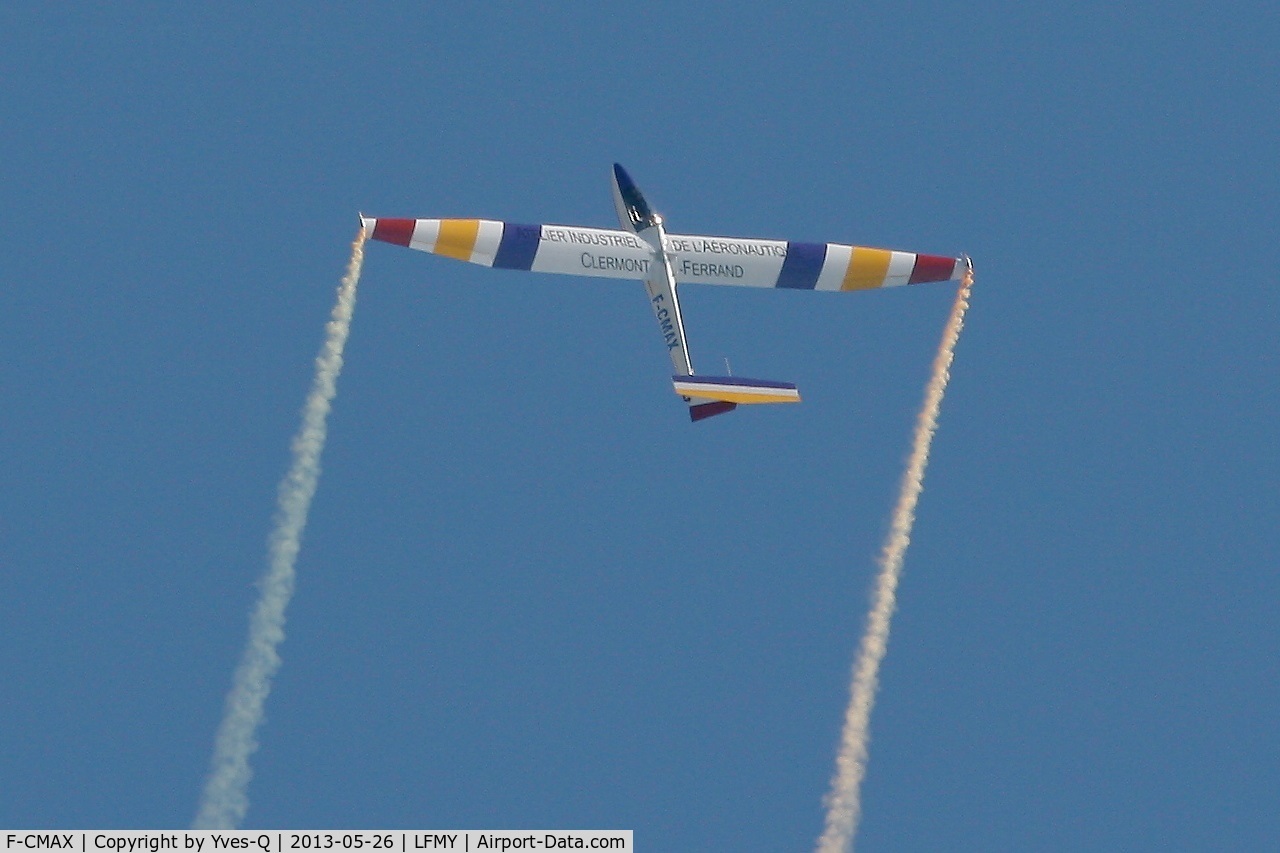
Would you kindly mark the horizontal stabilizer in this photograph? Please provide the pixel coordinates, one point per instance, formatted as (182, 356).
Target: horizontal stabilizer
(732, 389)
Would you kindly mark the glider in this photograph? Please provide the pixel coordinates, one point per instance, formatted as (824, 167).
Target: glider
(645, 251)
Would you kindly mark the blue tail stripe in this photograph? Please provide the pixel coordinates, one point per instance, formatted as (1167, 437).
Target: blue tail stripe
(733, 380)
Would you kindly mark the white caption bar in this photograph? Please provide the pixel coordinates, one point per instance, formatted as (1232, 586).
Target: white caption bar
(299, 840)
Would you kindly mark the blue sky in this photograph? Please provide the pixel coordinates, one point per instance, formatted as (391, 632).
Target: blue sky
(531, 594)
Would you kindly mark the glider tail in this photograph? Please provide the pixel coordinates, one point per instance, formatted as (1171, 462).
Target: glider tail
(714, 395)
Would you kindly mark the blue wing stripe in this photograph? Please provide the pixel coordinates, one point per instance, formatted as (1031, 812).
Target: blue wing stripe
(518, 247)
(802, 266)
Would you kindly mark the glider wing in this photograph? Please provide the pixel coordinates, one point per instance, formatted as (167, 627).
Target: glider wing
(608, 253)
(564, 249)
(794, 265)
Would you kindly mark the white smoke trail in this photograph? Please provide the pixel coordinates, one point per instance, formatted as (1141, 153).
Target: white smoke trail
(842, 801)
(225, 799)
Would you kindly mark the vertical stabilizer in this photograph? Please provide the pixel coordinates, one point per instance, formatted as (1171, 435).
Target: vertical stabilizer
(702, 409)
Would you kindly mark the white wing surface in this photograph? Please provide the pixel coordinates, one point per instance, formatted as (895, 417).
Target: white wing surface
(609, 253)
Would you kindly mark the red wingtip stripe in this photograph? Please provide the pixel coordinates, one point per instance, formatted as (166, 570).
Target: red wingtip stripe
(398, 231)
(932, 268)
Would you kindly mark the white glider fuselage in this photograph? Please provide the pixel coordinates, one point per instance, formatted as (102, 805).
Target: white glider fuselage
(636, 217)
(661, 286)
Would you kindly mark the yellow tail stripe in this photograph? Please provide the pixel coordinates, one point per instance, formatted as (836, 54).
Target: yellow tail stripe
(742, 397)
(457, 238)
(738, 394)
(867, 268)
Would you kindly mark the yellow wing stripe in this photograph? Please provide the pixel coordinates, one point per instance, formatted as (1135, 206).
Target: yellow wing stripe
(457, 238)
(867, 268)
